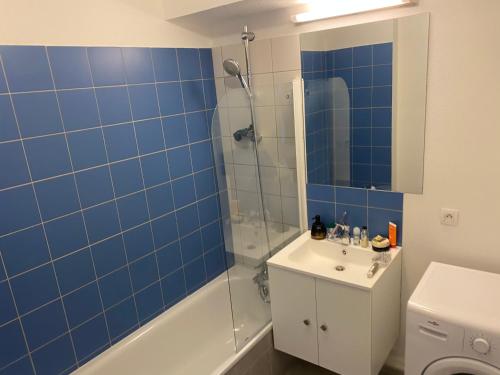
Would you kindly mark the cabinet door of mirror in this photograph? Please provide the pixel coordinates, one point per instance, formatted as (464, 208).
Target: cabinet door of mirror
(364, 100)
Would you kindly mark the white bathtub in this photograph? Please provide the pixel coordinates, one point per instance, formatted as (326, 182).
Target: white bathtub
(195, 337)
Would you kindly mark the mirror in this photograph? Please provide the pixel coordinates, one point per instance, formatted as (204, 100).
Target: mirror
(364, 100)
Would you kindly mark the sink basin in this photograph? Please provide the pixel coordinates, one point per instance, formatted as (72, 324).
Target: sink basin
(331, 261)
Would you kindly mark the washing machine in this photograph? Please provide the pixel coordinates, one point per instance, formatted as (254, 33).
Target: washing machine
(453, 323)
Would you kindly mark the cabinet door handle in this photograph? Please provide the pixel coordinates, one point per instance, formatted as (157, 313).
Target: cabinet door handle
(307, 322)
(324, 327)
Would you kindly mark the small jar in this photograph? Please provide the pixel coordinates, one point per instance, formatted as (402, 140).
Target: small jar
(356, 236)
(364, 237)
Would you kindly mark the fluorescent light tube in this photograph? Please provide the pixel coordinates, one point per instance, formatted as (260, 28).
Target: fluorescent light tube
(321, 9)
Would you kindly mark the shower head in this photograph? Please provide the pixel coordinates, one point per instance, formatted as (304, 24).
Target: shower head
(232, 68)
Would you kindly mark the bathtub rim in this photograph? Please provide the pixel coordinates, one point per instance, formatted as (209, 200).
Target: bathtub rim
(235, 358)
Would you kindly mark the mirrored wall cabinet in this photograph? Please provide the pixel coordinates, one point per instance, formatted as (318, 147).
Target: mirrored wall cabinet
(364, 102)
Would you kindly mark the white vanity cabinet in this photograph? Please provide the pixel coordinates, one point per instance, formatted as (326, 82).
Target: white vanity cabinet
(345, 328)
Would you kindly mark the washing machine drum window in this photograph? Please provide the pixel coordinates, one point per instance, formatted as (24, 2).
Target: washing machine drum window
(460, 366)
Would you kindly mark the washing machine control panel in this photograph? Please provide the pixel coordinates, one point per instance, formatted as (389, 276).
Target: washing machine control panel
(483, 346)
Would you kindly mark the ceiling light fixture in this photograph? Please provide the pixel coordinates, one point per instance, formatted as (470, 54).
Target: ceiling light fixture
(321, 9)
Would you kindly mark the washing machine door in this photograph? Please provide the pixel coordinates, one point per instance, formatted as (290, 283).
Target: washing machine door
(460, 366)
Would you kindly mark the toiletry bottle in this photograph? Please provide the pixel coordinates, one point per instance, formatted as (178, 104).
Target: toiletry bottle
(364, 236)
(346, 239)
(393, 234)
(356, 234)
(318, 229)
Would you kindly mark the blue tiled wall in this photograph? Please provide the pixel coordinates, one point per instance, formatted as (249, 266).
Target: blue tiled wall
(108, 203)
(373, 208)
(367, 72)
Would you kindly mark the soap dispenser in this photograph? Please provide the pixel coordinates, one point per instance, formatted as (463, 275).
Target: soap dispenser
(318, 229)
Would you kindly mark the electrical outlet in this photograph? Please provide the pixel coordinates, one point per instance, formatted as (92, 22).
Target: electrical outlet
(449, 216)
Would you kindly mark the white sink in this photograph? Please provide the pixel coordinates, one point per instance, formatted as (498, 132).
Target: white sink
(322, 259)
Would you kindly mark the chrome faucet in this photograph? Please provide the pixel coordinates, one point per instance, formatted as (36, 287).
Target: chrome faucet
(341, 231)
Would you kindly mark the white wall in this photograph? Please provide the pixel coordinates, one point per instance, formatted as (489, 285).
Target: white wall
(92, 23)
(462, 152)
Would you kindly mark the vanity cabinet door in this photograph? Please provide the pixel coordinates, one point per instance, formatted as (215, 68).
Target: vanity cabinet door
(293, 307)
(344, 327)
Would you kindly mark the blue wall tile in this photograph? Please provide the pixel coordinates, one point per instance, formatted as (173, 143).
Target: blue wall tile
(133, 210)
(207, 66)
(205, 183)
(27, 68)
(165, 230)
(34, 288)
(90, 337)
(138, 242)
(12, 344)
(191, 247)
(13, 167)
(55, 357)
(149, 301)
(22, 366)
(382, 53)
(362, 56)
(74, 270)
(8, 130)
(101, 221)
(183, 190)
(24, 250)
(19, 209)
(138, 65)
(70, 67)
(57, 197)
(3, 80)
(78, 109)
(179, 160)
(175, 131)
(37, 113)
(114, 105)
(155, 169)
(87, 149)
(106, 64)
(115, 287)
(189, 63)
(165, 64)
(211, 236)
(144, 101)
(192, 93)
(187, 219)
(109, 255)
(127, 177)
(201, 155)
(144, 272)
(195, 274)
(76, 127)
(170, 98)
(169, 258)
(197, 126)
(82, 304)
(121, 318)
(94, 186)
(174, 287)
(149, 136)
(44, 324)
(160, 200)
(8, 311)
(47, 156)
